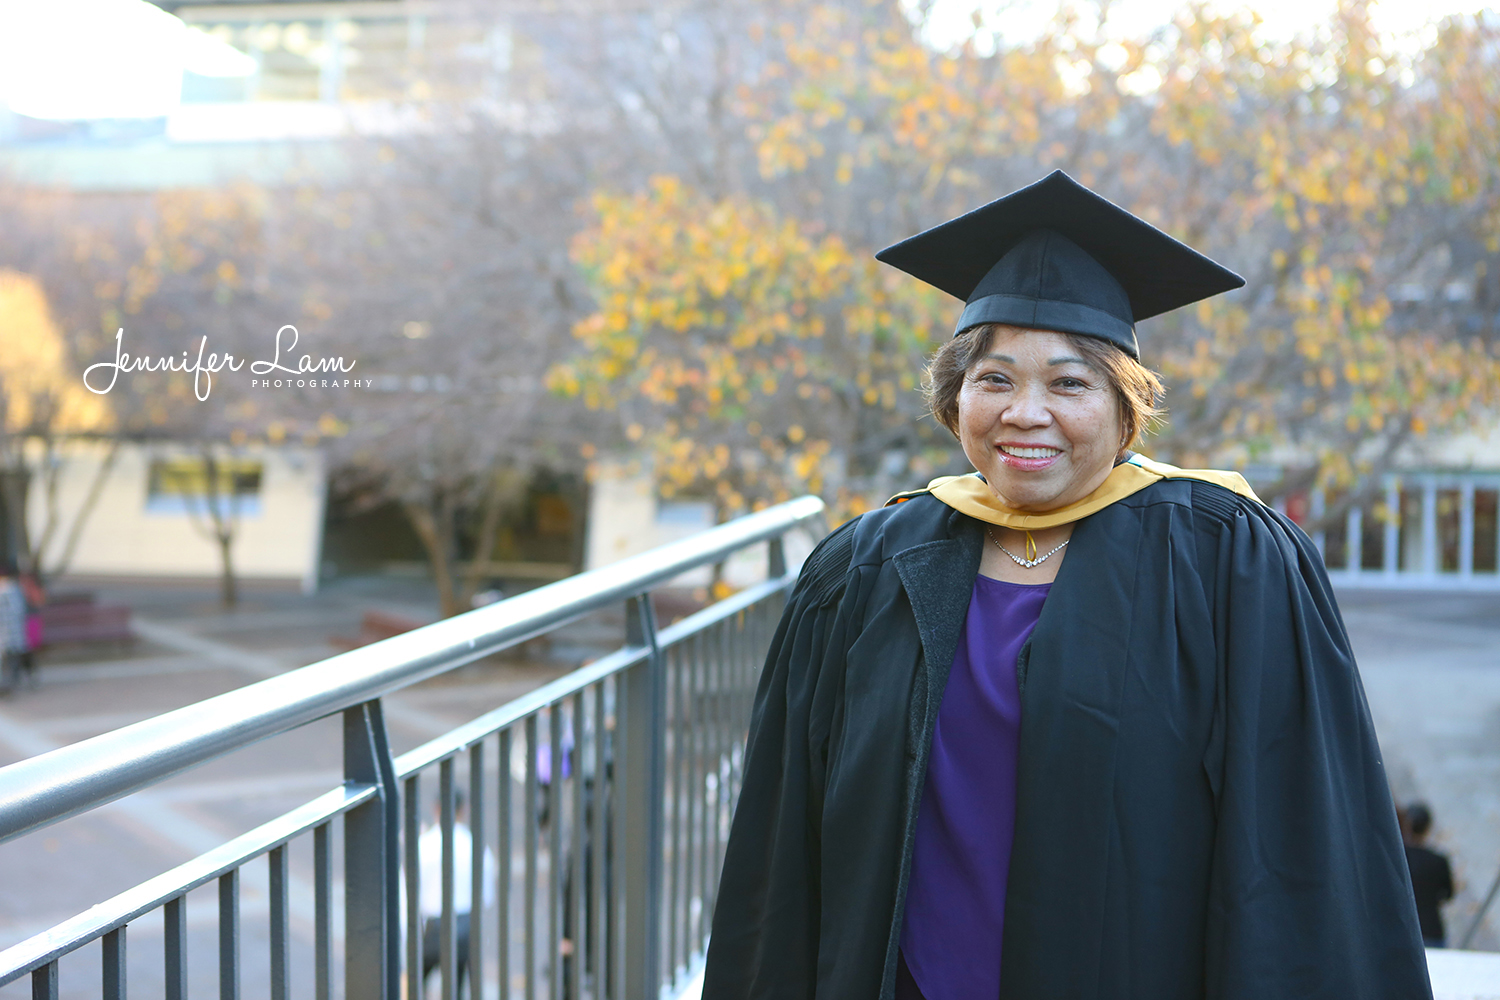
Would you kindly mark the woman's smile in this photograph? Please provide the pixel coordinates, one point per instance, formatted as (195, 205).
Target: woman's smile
(1028, 458)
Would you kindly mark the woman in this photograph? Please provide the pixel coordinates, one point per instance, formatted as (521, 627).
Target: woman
(1081, 725)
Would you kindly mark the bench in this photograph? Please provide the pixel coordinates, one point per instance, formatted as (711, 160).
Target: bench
(373, 627)
(76, 618)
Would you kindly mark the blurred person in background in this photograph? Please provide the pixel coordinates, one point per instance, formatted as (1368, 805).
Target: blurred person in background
(430, 891)
(15, 650)
(36, 597)
(1431, 875)
(1079, 724)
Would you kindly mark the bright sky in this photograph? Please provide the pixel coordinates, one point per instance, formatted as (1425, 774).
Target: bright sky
(1401, 21)
(71, 59)
(75, 59)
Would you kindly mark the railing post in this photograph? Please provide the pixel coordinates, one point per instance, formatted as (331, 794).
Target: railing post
(371, 956)
(1354, 540)
(645, 724)
(1431, 556)
(1391, 554)
(1466, 528)
(776, 567)
(1317, 507)
(776, 557)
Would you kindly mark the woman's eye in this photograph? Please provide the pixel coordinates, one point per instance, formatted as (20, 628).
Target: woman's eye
(1070, 383)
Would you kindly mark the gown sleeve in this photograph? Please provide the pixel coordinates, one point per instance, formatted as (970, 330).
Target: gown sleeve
(1310, 895)
(765, 925)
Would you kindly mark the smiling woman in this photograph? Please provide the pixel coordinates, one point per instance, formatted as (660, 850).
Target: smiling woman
(1043, 417)
(1077, 725)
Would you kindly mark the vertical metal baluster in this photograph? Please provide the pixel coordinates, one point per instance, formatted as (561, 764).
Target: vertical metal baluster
(598, 831)
(411, 822)
(503, 859)
(528, 912)
(44, 982)
(447, 931)
(731, 712)
(229, 935)
(702, 749)
(672, 894)
(114, 965)
(281, 983)
(720, 750)
(322, 912)
(754, 650)
(740, 641)
(478, 881)
(555, 854)
(579, 887)
(668, 757)
(690, 793)
(174, 927)
(713, 754)
(621, 763)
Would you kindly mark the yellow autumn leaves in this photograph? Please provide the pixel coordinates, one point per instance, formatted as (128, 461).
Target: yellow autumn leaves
(733, 341)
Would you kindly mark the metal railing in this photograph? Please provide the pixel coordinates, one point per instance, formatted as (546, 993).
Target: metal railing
(610, 800)
(1427, 531)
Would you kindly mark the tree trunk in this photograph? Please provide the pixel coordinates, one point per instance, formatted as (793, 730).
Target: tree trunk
(228, 588)
(433, 522)
(80, 517)
(15, 489)
(223, 524)
(484, 548)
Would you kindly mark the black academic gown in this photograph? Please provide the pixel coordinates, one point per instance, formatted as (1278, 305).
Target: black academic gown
(1201, 812)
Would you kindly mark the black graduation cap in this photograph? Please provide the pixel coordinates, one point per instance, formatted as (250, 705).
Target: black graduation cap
(1056, 256)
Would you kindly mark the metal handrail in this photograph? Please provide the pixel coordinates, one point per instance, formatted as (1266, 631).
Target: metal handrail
(143, 898)
(461, 738)
(65, 782)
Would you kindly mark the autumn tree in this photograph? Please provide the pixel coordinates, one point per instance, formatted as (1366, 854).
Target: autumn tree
(160, 276)
(1326, 169)
(43, 408)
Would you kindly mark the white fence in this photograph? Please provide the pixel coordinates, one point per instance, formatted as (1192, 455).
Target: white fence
(1427, 531)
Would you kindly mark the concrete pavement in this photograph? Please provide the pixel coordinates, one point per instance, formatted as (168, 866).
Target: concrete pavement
(1431, 668)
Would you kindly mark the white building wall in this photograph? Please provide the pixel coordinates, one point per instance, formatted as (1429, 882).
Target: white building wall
(278, 538)
(626, 517)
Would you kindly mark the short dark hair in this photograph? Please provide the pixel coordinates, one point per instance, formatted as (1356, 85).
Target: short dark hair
(1419, 818)
(1137, 388)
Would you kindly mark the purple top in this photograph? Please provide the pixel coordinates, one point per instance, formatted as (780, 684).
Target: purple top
(955, 901)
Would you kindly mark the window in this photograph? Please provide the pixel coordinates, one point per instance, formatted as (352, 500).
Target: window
(181, 486)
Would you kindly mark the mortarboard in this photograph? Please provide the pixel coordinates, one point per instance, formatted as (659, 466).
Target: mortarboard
(1056, 256)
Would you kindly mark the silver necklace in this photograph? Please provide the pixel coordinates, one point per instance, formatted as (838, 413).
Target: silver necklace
(1030, 548)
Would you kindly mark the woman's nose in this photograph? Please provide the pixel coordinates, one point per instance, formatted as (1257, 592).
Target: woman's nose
(1028, 408)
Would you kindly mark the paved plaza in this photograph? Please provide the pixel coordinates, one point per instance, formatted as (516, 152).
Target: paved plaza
(1431, 666)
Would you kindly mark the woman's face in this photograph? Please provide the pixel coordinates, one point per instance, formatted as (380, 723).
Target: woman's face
(1040, 422)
